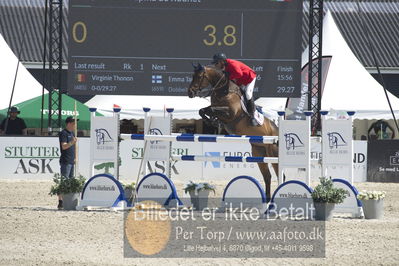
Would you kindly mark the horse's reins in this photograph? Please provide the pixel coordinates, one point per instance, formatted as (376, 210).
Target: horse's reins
(214, 88)
(217, 83)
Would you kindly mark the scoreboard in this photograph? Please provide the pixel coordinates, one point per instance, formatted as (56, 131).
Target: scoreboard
(147, 47)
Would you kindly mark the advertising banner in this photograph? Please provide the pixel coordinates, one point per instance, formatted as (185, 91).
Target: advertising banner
(20, 159)
(294, 143)
(36, 157)
(297, 106)
(383, 161)
(339, 171)
(104, 132)
(132, 151)
(337, 147)
(337, 150)
(157, 150)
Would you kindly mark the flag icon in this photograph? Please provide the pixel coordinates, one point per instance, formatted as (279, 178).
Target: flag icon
(156, 79)
(81, 78)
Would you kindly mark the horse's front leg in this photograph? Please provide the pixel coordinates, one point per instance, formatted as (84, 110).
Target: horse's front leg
(206, 113)
(210, 116)
(221, 112)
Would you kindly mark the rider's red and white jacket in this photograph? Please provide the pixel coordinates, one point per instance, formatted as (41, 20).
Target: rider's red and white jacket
(240, 72)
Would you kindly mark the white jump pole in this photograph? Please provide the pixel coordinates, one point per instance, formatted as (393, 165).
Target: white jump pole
(116, 116)
(92, 117)
(203, 138)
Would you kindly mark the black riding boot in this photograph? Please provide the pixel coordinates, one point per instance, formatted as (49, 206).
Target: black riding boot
(251, 111)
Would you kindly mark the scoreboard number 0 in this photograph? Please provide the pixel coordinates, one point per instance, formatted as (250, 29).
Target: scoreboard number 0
(83, 27)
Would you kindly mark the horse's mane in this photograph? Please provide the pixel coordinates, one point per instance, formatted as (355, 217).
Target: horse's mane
(221, 74)
(217, 70)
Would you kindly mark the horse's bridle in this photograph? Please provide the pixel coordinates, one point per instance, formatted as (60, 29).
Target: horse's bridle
(205, 92)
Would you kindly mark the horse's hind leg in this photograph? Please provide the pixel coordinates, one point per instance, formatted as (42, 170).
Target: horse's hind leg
(260, 151)
(272, 151)
(275, 168)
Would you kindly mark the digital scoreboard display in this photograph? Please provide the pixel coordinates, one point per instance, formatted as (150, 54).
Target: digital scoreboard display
(147, 47)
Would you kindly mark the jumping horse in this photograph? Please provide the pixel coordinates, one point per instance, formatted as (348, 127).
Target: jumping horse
(226, 108)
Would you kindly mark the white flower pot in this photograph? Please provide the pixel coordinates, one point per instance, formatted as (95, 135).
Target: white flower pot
(373, 209)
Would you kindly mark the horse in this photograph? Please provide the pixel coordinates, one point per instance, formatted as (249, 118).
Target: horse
(226, 109)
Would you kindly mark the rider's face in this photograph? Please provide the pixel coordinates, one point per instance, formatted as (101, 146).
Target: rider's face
(219, 65)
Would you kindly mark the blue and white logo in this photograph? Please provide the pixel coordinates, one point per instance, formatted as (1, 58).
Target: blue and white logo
(154, 131)
(292, 141)
(102, 136)
(336, 140)
(213, 164)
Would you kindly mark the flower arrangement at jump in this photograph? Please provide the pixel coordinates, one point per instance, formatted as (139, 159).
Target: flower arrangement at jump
(69, 188)
(130, 186)
(197, 187)
(325, 196)
(63, 185)
(373, 203)
(325, 192)
(371, 195)
(199, 193)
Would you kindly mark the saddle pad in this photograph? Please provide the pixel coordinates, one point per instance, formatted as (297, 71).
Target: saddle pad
(257, 115)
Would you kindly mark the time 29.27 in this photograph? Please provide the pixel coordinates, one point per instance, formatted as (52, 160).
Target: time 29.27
(282, 89)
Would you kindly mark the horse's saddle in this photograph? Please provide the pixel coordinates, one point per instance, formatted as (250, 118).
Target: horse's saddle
(258, 115)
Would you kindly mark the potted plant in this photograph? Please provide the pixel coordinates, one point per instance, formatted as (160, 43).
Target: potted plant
(69, 188)
(199, 193)
(373, 203)
(325, 196)
(128, 189)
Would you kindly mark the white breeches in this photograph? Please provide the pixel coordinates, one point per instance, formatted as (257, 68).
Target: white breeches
(249, 89)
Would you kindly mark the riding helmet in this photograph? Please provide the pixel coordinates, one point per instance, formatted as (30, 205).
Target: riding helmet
(219, 57)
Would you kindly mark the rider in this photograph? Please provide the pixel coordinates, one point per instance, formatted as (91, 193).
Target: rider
(242, 75)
